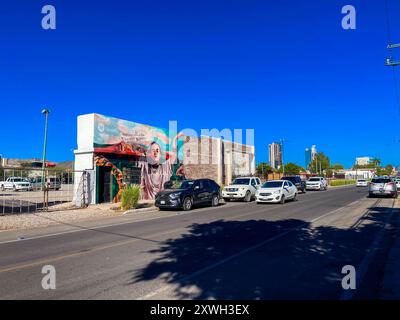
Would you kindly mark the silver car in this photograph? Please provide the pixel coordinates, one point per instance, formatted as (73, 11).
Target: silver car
(382, 186)
(397, 182)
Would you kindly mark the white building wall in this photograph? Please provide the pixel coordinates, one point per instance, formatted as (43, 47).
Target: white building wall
(84, 162)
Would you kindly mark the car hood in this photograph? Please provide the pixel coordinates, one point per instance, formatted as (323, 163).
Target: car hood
(237, 186)
(169, 191)
(270, 190)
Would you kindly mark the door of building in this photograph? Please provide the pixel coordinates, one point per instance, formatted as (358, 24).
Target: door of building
(105, 184)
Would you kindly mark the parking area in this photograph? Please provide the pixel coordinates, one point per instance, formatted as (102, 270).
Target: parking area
(32, 201)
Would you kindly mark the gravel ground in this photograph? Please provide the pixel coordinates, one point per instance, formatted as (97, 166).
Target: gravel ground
(42, 219)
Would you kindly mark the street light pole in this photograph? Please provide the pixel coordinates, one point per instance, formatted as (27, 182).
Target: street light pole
(282, 154)
(46, 114)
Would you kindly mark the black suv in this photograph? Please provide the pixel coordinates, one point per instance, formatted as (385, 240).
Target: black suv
(298, 182)
(187, 193)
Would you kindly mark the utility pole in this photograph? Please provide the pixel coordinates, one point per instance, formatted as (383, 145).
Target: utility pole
(283, 163)
(389, 61)
(46, 113)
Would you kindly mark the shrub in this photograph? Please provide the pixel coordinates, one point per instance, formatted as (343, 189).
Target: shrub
(130, 196)
(341, 182)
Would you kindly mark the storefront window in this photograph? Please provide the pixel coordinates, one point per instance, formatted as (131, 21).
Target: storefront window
(131, 175)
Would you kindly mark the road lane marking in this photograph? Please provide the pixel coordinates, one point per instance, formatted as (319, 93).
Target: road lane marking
(81, 252)
(121, 243)
(238, 254)
(83, 229)
(366, 261)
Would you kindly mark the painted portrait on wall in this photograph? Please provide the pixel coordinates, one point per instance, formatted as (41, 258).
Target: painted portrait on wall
(158, 155)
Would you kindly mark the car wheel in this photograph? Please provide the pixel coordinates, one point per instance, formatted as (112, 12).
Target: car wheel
(282, 200)
(215, 200)
(187, 204)
(247, 197)
(2, 188)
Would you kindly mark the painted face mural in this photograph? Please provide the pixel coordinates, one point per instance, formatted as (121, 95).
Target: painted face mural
(158, 157)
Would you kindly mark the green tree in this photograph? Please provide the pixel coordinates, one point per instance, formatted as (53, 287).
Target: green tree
(376, 162)
(292, 168)
(389, 169)
(320, 163)
(264, 168)
(337, 167)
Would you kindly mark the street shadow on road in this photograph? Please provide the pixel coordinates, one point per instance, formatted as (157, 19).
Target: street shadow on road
(259, 259)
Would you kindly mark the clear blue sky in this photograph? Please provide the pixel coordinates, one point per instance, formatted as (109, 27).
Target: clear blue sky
(286, 69)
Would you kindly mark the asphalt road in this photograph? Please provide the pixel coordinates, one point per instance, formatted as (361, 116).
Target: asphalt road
(234, 251)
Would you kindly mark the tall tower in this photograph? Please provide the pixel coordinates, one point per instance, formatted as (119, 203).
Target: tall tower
(275, 155)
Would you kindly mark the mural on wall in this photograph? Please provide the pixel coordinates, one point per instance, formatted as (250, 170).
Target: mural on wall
(159, 159)
(101, 161)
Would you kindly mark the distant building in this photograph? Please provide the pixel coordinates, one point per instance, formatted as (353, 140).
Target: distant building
(363, 161)
(310, 155)
(275, 155)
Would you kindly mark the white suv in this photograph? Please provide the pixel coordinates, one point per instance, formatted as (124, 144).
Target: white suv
(317, 183)
(242, 188)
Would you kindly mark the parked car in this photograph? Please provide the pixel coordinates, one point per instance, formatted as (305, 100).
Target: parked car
(15, 184)
(382, 186)
(188, 193)
(298, 182)
(36, 183)
(53, 183)
(317, 183)
(276, 191)
(362, 183)
(241, 188)
(396, 180)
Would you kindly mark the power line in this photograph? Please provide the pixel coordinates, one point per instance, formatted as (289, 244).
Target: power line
(389, 62)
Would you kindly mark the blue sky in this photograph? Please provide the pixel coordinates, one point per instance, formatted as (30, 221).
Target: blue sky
(285, 69)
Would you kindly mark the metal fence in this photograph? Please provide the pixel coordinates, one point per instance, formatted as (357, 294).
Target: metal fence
(23, 191)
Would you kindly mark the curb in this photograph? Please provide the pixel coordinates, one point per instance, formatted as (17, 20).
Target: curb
(133, 211)
(390, 289)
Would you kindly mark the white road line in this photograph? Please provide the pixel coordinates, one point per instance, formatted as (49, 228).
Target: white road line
(82, 229)
(238, 254)
(364, 265)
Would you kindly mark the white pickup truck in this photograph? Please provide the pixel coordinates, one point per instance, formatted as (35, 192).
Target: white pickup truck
(15, 184)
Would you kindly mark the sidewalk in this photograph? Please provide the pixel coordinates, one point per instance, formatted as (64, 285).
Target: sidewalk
(67, 214)
(391, 283)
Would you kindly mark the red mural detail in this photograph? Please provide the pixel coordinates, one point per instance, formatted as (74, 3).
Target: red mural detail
(101, 161)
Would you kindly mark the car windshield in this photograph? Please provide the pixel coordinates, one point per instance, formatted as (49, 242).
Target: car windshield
(18, 180)
(381, 180)
(186, 184)
(361, 180)
(241, 181)
(273, 184)
(314, 179)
